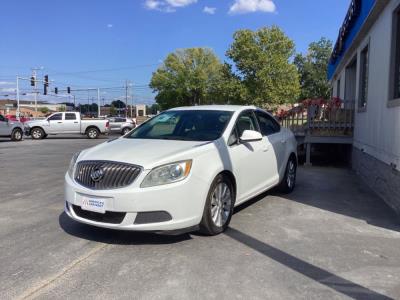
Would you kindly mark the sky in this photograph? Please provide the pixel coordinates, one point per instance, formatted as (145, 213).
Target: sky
(93, 43)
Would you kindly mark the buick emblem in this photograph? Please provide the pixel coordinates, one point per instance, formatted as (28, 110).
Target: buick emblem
(97, 174)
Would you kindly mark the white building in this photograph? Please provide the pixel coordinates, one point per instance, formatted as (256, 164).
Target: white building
(365, 67)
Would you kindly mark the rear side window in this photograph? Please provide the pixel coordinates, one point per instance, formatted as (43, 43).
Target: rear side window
(2, 119)
(268, 124)
(120, 120)
(69, 116)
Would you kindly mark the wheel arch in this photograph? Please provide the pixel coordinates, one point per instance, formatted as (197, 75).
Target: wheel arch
(231, 177)
(91, 127)
(34, 127)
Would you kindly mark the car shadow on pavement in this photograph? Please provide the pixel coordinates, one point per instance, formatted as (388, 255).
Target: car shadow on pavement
(313, 272)
(348, 196)
(118, 237)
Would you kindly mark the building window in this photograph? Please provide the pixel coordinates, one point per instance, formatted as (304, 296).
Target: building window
(363, 94)
(395, 76)
(338, 88)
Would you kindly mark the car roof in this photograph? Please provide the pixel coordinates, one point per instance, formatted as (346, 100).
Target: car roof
(215, 107)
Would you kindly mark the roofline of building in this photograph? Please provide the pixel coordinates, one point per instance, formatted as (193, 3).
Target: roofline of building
(347, 55)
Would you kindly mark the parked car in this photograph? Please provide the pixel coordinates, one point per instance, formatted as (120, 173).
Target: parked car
(11, 129)
(66, 123)
(183, 170)
(121, 125)
(15, 119)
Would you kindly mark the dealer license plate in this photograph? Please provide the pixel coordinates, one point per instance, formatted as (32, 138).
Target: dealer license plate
(94, 204)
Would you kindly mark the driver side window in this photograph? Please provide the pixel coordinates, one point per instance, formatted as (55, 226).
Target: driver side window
(246, 121)
(56, 117)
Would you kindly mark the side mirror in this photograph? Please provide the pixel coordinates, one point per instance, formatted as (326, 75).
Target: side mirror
(250, 136)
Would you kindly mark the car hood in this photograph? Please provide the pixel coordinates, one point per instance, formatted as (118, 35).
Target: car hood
(146, 152)
(34, 122)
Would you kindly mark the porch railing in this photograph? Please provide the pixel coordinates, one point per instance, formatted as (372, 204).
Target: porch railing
(321, 119)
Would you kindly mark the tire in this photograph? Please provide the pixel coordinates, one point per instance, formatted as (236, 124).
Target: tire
(219, 206)
(37, 133)
(17, 135)
(125, 130)
(92, 133)
(288, 182)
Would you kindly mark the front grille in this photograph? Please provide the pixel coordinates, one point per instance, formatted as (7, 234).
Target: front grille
(104, 175)
(110, 217)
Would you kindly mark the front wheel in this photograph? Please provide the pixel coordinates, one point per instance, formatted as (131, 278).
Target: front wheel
(219, 206)
(16, 135)
(92, 133)
(289, 180)
(37, 133)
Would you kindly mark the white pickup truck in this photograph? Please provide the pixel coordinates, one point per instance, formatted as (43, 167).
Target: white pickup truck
(66, 123)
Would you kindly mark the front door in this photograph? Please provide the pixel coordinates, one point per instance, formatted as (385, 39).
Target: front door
(250, 164)
(4, 130)
(55, 123)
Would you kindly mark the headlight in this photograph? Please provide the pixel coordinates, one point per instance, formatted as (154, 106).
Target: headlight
(71, 169)
(167, 174)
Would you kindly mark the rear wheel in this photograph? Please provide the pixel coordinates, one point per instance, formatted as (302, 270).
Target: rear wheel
(16, 135)
(92, 133)
(289, 180)
(37, 133)
(125, 130)
(219, 206)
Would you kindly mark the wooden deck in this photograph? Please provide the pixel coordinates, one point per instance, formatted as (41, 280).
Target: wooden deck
(321, 124)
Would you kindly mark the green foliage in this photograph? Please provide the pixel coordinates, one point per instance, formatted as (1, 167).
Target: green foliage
(118, 104)
(186, 77)
(44, 110)
(312, 68)
(263, 61)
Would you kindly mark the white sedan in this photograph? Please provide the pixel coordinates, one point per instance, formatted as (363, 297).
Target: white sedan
(183, 170)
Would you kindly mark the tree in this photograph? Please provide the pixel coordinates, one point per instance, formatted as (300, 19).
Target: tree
(186, 77)
(263, 62)
(44, 110)
(312, 68)
(118, 104)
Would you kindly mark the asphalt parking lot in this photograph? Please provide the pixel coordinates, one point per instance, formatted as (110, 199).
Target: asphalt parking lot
(331, 239)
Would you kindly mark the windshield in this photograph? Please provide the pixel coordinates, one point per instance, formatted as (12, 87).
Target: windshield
(185, 125)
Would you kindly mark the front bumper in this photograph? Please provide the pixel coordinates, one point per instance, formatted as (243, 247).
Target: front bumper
(164, 208)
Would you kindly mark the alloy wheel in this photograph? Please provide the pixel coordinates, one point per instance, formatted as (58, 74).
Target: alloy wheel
(221, 203)
(291, 176)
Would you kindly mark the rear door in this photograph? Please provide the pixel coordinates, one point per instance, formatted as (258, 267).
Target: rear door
(272, 135)
(71, 123)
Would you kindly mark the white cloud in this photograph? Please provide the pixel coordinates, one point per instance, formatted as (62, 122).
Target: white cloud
(249, 6)
(110, 25)
(167, 5)
(7, 90)
(6, 83)
(209, 10)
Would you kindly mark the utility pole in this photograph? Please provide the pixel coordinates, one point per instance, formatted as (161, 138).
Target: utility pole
(18, 112)
(126, 98)
(98, 103)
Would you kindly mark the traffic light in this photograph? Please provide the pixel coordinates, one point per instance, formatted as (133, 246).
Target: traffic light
(69, 90)
(55, 90)
(45, 84)
(33, 81)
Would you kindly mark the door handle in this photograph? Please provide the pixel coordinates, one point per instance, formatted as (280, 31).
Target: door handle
(283, 141)
(59, 122)
(76, 122)
(265, 148)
